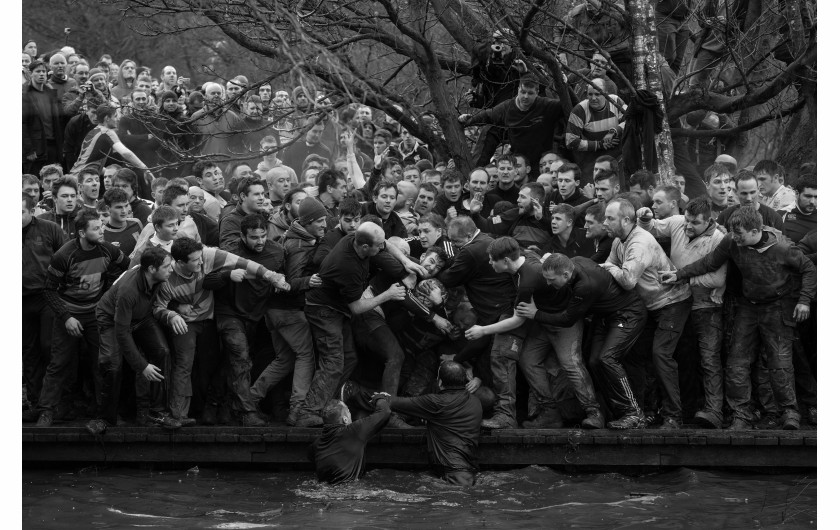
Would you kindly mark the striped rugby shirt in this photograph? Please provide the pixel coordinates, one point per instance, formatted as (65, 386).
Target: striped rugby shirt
(587, 127)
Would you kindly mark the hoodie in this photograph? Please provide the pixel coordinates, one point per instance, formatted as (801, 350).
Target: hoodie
(65, 221)
(298, 247)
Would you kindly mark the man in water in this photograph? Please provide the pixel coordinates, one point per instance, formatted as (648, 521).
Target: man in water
(453, 418)
(339, 453)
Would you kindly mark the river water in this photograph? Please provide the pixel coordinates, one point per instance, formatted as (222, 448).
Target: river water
(532, 497)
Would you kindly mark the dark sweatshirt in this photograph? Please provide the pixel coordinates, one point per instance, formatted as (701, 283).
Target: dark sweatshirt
(41, 239)
(248, 299)
(339, 453)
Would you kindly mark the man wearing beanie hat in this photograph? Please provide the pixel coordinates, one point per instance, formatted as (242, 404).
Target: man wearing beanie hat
(96, 87)
(728, 161)
(285, 318)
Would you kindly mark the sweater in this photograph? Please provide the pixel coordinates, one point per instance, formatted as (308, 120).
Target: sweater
(41, 239)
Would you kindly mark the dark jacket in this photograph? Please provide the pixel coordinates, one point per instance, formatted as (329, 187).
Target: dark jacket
(298, 248)
(577, 245)
(67, 222)
(393, 226)
(325, 245)
(74, 134)
(133, 130)
(34, 134)
(41, 239)
(453, 421)
(248, 299)
(229, 229)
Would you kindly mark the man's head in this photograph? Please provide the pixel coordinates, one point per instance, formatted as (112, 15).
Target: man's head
(126, 180)
(557, 270)
(240, 170)
(597, 65)
(28, 207)
(679, 182)
(165, 221)
(254, 232)
(49, 174)
(527, 94)
(806, 194)
(461, 230)
(89, 184)
(717, 178)
(31, 187)
(253, 107)
(548, 158)
(562, 219)
(178, 199)
(128, 70)
(411, 174)
(89, 226)
(187, 253)
(385, 196)
(745, 225)
(770, 177)
(619, 218)
(157, 263)
(313, 135)
(58, 66)
(426, 194)
(452, 184)
(369, 239)
(209, 175)
(504, 252)
(666, 200)
(251, 194)
(568, 178)
(406, 195)
(506, 165)
(312, 216)
(451, 375)
(332, 183)
(214, 95)
(432, 176)
(197, 199)
(106, 116)
(81, 73)
(292, 200)
(280, 181)
(364, 114)
(698, 216)
(606, 185)
(746, 189)
(64, 192)
(521, 166)
(530, 198)
(336, 413)
(545, 180)
(349, 214)
(479, 181)
(642, 183)
(116, 203)
(430, 229)
(381, 141)
(595, 94)
(38, 72)
(728, 161)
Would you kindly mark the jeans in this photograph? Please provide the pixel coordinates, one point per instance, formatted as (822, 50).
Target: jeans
(292, 342)
(186, 366)
(670, 321)
(333, 339)
(376, 338)
(708, 325)
(150, 338)
(237, 335)
(566, 345)
(504, 356)
(64, 359)
(772, 325)
(612, 338)
(673, 40)
(36, 338)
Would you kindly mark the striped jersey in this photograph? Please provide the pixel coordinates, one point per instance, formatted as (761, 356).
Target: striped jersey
(96, 147)
(586, 126)
(124, 238)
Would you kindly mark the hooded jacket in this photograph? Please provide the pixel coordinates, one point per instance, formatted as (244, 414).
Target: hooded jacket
(298, 247)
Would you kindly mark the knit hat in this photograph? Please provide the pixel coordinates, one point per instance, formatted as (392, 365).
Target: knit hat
(310, 210)
(94, 72)
(726, 159)
(296, 92)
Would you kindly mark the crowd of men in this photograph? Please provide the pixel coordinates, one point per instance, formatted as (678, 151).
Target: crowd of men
(331, 255)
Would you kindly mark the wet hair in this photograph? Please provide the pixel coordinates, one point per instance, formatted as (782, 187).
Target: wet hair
(163, 214)
(746, 218)
(558, 264)
(333, 411)
(182, 247)
(153, 256)
(84, 217)
(452, 375)
(566, 210)
(253, 221)
(433, 219)
(504, 247)
(714, 170)
(771, 167)
(805, 181)
(171, 193)
(697, 206)
(349, 206)
(114, 196)
(329, 177)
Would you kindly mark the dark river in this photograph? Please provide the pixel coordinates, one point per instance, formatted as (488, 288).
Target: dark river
(532, 497)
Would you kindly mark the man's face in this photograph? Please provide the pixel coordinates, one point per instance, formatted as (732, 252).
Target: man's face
(214, 95)
(432, 262)
(767, 184)
(32, 189)
(162, 273)
(267, 146)
(113, 71)
(499, 266)
(594, 228)
(167, 230)
(26, 60)
(679, 181)
(377, 246)
(595, 98)
(452, 190)
(94, 233)
(407, 139)
(302, 100)
(494, 178)
(385, 200)
(425, 201)
(642, 194)
(747, 192)
(31, 49)
(338, 192)
(566, 183)
(282, 99)
(363, 114)
(807, 200)
(526, 96)
(253, 110)
(72, 61)
(412, 176)
(294, 204)
(434, 180)
(695, 225)
(129, 70)
(27, 214)
(139, 100)
(458, 240)
(718, 188)
(181, 204)
(428, 234)
(81, 74)
(604, 190)
(194, 262)
(170, 75)
(196, 200)
(252, 202)
(522, 169)
(379, 145)
(90, 186)
(157, 194)
(313, 136)
(49, 180)
(558, 281)
(600, 166)
(745, 238)
(317, 227)
(597, 66)
(506, 172)
(613, 221)
(546, 161)
(310, 177)
(65, 202)
(232, 90)
(265, 93)
(255, 239)
(662, 207)
(559, 223)
(118, 212)
(99, 82)
(58, 65)
(145, 85)
(524, 203)
(479, 180)
(212, 179)
(394, 172)
(240, 172)
(349, 223)
(39, 75)
(282, 184)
